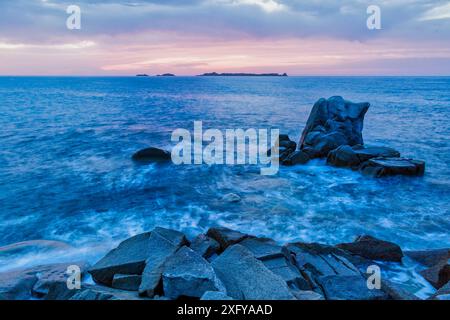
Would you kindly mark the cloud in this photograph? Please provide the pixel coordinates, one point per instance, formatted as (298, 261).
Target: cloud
(437, 13)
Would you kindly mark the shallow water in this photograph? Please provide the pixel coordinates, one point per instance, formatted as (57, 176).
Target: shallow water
(66, 172)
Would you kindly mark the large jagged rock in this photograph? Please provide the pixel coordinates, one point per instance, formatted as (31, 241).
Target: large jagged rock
(437, 263)
(205, 246)
(247, 278)
(333, 123)
(162, 244)
(128, 282)
(128, 258)
(152, 155)
(187, 274)
(263, 249)
(382, 167)
(373, 249)
(352, 157)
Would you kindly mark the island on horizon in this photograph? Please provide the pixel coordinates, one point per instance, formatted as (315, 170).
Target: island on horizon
(240, 74)
(166, 75)
(142, 75)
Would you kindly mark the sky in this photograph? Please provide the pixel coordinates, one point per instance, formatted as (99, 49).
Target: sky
(189, 37)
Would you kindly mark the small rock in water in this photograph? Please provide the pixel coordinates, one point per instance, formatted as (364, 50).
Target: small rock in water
(381, 167)
(296, 157)
(152, 155)
(187, 274)
(231, 198)
(373, 249)
(352, 157)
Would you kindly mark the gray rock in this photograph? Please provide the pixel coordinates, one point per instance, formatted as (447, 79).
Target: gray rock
(352, 157)
(35, 281)
(338, 287)
(162, 244)
(215, 296)
(47, 275)
(128, 282)
(396, 292)
(205, 246)
(332, 123)
(226, 237)
(442, 294)
(296, 157)
(263, 249)
(231, 198)
(438, 276)
(373, 249)
(97, 292)
(429, 258)
(288, 272)
(307, 295)
(381, 167)
(187, 274)
(247, 278)
(152, 155)
(128, 258)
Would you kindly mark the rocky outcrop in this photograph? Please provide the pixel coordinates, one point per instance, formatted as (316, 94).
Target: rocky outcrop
(333, 123)
(152, 155)
(373, 249)
(226, 264)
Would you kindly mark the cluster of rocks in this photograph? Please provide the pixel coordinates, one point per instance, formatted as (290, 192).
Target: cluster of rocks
(228, 265)
(334, 131)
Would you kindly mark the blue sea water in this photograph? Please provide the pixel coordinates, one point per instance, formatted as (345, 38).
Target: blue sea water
(66, 172)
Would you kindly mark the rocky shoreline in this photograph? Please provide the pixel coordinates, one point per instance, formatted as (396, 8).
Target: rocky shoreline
(224, 264)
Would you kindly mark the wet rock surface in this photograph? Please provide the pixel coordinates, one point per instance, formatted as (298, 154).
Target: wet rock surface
(152, 155)
(227, 264)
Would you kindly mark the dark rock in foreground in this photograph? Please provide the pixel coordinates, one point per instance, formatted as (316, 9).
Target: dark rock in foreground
(333, 123)
(373, 249)
(152, 155)
(353, 157)
(226, 237)
(128, 282)
(247, 278)
(215, 295)
(381, 167)
(187, 274)
(339, 287)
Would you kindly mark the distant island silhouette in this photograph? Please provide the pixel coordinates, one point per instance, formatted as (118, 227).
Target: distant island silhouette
(142, 75)
(166, 75)
(215, 74)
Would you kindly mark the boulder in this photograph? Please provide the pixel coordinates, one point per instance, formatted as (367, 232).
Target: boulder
(338, 287)
(187, 274)
(247, 278)
(373, 249)
(438, 275)
(396, 292)
(352, 157)
(429, 258)
(99, 293)
(332, 123)
(381, 167)
(128, 258)
(226, 237)
(16, 285)
(296, 157)
(162, 244)
(152, 155)
(263, 249)
(205, 246)
(288, 272)
(215, 296)
(128, 282)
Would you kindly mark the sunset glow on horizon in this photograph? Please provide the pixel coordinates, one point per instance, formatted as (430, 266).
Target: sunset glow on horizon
(192, 37)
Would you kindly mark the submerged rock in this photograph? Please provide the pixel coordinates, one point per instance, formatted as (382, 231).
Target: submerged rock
(296, 157)
(352, 157)
(152, 155)
(231, 198)
(381, 167)
(187, 274)
(373, 249)
(333, 123)
(247, 278)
